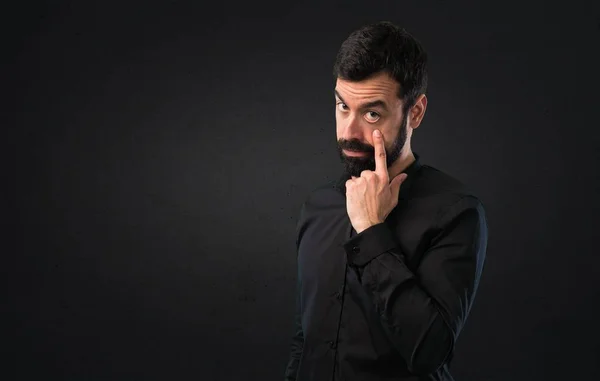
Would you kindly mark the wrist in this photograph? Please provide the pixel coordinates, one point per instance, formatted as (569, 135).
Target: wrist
(362, 227)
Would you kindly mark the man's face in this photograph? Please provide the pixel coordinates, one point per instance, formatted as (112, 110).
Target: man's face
(362, 107)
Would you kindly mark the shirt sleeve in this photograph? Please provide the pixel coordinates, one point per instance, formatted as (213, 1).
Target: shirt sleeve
(424, 311)
(297, 342)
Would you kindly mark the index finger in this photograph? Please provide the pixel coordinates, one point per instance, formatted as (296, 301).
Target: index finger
(380, 155)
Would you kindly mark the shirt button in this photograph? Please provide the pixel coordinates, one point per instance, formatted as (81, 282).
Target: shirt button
(338, 296)
(331, 344)
(356, 249)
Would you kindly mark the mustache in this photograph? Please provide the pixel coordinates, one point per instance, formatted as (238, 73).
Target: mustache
(353, 145)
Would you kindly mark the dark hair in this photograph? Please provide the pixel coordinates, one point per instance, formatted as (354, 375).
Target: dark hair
(383, 46)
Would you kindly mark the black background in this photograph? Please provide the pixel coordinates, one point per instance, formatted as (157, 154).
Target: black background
(159, 152)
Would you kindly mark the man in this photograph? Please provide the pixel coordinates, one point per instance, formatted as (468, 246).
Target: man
(390, 255)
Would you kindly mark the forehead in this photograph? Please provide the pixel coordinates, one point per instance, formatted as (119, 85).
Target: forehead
(380, 86)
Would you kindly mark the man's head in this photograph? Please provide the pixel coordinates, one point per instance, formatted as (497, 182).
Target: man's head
(381, 79)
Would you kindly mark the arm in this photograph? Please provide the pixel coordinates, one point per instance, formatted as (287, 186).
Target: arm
(423, 312)
(297, 344)
(297, 341)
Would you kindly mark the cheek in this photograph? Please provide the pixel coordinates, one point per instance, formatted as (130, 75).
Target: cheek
(392, 126)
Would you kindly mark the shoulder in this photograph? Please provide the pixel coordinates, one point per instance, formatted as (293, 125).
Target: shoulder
(433, 182)
(449, 194)
(324, 195)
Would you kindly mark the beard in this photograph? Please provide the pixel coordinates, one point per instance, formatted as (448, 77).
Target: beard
(354, 165)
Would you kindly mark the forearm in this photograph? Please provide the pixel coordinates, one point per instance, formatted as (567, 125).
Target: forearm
(411, 318)
(297, 342)
(291, 369)
(423, 311)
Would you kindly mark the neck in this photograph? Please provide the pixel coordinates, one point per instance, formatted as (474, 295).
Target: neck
(405, 159)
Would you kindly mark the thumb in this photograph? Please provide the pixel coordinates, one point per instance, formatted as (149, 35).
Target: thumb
(396, 182)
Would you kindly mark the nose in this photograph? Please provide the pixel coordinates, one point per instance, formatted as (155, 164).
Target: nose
(353, 128)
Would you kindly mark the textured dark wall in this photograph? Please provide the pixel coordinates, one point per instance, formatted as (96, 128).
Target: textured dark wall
(158, 154)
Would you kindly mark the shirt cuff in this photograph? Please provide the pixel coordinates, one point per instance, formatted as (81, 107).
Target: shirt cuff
(369, 244)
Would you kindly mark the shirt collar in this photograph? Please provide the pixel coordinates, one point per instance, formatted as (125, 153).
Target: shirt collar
(411, 170)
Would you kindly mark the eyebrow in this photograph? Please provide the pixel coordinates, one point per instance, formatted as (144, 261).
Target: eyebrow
(375, 103)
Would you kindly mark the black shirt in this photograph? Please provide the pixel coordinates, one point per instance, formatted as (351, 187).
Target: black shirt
(390, 302)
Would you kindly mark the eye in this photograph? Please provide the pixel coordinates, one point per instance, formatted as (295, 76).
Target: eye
(340, 106)
(372, 116)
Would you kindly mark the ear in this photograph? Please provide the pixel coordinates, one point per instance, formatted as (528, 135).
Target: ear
(417, 112)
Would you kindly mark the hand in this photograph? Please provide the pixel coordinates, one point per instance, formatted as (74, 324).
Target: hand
(371, 197)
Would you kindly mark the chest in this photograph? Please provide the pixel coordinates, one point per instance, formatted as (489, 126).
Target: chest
(321, 255)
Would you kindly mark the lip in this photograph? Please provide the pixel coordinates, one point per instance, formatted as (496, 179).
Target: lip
(354, 153)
